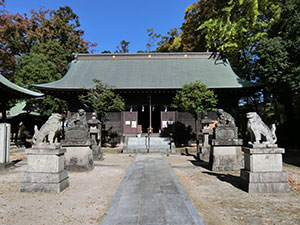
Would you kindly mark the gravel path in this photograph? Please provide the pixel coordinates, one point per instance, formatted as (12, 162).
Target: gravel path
(216, 196)
(219, 200)
(85, 201)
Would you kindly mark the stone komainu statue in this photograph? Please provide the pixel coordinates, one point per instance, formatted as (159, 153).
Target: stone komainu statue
(259, 131)
(225, 118)
(78, 120)
(48, 130)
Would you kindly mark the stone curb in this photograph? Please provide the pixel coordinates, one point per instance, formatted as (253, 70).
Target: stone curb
(114, 202)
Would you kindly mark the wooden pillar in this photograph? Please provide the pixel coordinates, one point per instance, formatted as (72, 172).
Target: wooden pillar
(150, 113)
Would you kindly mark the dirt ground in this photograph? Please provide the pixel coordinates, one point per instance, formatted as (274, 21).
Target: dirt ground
(219, 199)
(85, 201)
(216, 196)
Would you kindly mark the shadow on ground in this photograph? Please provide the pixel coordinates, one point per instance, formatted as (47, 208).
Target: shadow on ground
(233, 180)
(199, 162)
(292, 157)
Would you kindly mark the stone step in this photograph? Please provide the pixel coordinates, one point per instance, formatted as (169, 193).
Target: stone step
(134, 151)
(140, 145)
(144, 141)
(145, 146)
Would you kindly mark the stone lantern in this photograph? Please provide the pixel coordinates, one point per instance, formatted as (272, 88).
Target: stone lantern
(95, 136)
(204, 149)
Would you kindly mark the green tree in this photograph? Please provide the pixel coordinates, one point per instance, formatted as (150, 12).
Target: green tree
(152, 40)
(240, 24)
(55, 33)
(123, 48)
(38, 48)
(35, 69)
(195, 98)
(277, 65)
(193, 39)
(170, 43)
(232, 27)
(102, 99)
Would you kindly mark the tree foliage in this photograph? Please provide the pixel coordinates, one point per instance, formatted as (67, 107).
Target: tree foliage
(123, 47)
(170, 43)
(278, 66)
(35, 69)
(102, 99)
(239, 24)
(195, 98)
(152, 40)
(54, 33)
(38, 48)
(193, 39)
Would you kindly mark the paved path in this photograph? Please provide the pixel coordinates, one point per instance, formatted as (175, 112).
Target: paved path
(151, 194)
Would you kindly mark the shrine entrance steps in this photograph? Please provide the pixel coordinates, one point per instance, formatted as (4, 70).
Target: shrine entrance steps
(144, 144)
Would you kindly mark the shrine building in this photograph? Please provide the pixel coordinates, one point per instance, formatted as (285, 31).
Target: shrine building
(148, 82)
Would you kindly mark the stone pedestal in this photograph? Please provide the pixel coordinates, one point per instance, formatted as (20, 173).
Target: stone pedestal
(205, 148)
(96, 146)
(79, 155)
(204, 153)
(263, 171)
(226, 158)
(45, 170)
(79, 158)
(226, 151)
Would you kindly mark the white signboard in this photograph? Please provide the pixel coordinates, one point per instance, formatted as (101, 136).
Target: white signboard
(133, 124)
(4, 142)
(164, 124)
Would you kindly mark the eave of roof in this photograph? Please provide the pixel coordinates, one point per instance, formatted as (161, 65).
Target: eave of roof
(16, 91)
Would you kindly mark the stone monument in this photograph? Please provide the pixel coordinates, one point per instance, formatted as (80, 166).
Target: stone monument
(263, 172)
(4, 145)
(95, 136)
(226, 151)
(204, 149)
(45, 161)
(79, 156)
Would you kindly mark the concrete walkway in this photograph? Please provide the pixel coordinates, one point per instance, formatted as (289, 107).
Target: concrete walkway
(151, 194)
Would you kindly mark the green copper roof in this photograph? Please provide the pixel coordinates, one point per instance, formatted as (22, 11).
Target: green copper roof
(9, 90)
(147, 71)
(18, 109)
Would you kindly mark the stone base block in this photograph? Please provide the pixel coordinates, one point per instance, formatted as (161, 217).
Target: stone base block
(4, 166)
(55, 187)
(30, 177)
(263, 159)
(228, 142)
(45, 170)
(98, 157)
(226, 158)
(97, 154)
(204, 153)
(79, 159)
(265, 182)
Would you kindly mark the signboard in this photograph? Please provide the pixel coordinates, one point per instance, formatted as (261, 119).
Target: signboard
(4, 142)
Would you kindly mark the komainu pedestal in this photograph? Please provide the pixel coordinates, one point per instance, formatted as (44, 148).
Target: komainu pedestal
(226, 152)
(263, 171)
(45, 170)
(79, 155)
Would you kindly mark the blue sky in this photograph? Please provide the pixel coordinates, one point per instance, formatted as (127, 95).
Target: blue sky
(107, 22)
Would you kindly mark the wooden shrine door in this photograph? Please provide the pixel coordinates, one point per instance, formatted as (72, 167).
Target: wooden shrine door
(167, 121)
(130, 122)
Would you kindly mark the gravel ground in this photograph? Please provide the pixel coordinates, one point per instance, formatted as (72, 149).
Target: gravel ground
(219, 200)
(85, 201)
(216, 196)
